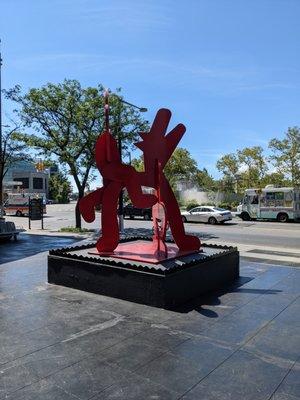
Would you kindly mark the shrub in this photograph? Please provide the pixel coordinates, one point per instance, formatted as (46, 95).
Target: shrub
(191, 204)
(209, 203)
(227, 206)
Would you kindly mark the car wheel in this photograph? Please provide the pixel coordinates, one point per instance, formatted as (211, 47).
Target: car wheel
(184, 219)
(245, 216)
(147, 217)
(212, 221)
(282, 217)
(19, 213)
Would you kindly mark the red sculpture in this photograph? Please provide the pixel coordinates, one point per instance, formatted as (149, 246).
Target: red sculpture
(157, 147)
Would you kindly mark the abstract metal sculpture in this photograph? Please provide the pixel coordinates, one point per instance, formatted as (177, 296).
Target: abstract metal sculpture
(157, 147)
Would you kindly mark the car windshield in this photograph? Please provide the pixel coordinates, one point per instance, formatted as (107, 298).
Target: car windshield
(219, 209)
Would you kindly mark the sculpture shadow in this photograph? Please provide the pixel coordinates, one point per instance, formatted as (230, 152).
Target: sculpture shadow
(213, 299)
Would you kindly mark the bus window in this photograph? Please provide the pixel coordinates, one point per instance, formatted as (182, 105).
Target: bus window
(270, 199)
(279, 196)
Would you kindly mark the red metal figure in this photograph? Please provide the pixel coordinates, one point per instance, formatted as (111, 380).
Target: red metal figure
(157, 149)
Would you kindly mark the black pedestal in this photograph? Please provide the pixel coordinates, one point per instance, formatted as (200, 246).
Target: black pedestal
(167, 284)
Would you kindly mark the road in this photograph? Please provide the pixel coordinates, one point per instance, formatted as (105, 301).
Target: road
(280, 235)
(248, 236)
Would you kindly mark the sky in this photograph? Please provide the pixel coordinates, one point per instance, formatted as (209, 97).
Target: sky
(227, 69)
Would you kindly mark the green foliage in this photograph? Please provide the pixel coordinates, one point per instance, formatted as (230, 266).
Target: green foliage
(225, 205)
(191, 204)
(208, 203)
(67, 119)
(256, 167)
(229, 166)
(181, 166)
(277, 179)
(286, 155)
(205, 181)
(59, 188)
(252, 160)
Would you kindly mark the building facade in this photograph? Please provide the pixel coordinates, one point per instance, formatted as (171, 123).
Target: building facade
(23, 176)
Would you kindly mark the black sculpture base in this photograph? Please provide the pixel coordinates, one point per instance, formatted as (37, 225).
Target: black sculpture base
(166, 284)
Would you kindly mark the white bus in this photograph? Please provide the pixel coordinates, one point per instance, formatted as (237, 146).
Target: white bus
(271, 203)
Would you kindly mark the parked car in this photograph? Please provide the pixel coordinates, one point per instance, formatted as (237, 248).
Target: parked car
(211, 215)
(130, 211)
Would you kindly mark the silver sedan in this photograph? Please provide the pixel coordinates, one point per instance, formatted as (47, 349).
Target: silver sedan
(208, 214)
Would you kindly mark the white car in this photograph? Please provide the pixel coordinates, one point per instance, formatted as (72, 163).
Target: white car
(212, 215)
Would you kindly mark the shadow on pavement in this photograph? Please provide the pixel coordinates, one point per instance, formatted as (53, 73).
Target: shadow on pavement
(28, 245)
(213, 299)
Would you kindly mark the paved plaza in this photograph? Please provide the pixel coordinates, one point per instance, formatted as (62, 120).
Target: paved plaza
(60, 343)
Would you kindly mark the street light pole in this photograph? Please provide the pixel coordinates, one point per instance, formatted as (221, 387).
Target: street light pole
(119, 136)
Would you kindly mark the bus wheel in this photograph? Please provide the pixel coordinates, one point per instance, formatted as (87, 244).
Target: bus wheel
(19, 213)
(245, 216)
(282, 217)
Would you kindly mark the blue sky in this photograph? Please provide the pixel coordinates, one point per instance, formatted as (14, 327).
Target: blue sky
(228, 70)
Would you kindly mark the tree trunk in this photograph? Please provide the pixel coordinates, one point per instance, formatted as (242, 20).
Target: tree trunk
(77, 212)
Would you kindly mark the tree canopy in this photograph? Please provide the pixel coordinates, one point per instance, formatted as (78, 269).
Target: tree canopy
(286, 154)
(59, 188)
(67, 118)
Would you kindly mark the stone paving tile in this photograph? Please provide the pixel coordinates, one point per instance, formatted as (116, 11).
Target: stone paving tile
(171, 372)
(283, 396)
(204, 354)
(61, 343)
(132, 353)
(137, 388)
(247, 321)
(276, 340)
(42, 390)
(88, 377)
(243, 376)
(75, 348)
(14, 377)
(15, 346)
(290, 387)
(162, 336)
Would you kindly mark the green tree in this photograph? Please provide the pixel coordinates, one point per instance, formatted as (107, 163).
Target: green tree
(229, 166)
(275, 178)
(59, 188)
(205, 180)
(67, 120)
(254, 161)
(286, 154)
(181, 166)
